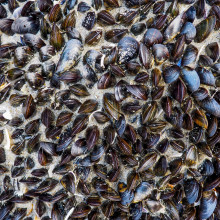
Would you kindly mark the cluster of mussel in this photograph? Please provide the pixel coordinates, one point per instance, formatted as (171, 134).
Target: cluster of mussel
(149, 149)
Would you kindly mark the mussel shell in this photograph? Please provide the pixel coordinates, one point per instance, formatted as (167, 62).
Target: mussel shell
(158, 7)
(44, 5)
(147, 162)
(55, 13)
(3, 12)
(161, 166)
(105, 18)
(152, 36)
(189, 55)
(89, 20)
(200, 94)
(128, 49)
(93, 37)
(191, 13)
(70, 55)
(174, 27)
(213, 51)
(159, 22)
(83, 7)
(73, 33)
(189, 30)
(178, 48)
(207, 205)
(206, 76)
(46, 52)
(138, 28)
(69, 22)
(205, 60)
(161, 53)
(145, 56)
(45, 28)
(171, 73)
(56, 38)
(24, 25)
(204, 28)
(127, 17)
(191, 188)
(5, 26)
(191, 78)
(211, 106)
(115, 35)
(142, 191)
(33, 41)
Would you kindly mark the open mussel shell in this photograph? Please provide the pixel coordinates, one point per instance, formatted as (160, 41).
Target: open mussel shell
(205, 61)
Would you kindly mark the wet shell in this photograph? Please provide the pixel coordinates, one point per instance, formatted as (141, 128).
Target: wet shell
(89, 20)
(211, 106)
(160, 53)
(55, 13)
(189, 31)
(105, 18)
(44, 5)
(5, 26)
(191, 78)
(69, 22)
(128, 49)
(206, 77)
(191, 188)
(24, 25)
(69, 58)
(147, 162)
(152, 36)
(174, 27)
(171, 74)
(208, 204)
(189, 55)
(115, 35)
(56, 38)
(213, 51)
(204, 28)
(93, 37)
